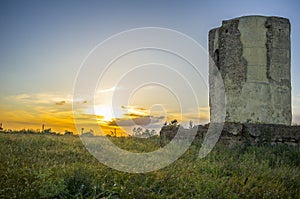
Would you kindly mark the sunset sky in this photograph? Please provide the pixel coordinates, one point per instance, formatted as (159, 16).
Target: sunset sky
(44, 43)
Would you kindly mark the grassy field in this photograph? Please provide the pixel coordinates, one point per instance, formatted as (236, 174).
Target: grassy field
(49, 166)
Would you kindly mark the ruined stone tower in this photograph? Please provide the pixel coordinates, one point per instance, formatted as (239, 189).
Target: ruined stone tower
(252, 54)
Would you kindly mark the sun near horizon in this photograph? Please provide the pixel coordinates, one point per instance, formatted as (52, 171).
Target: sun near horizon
(48, 110)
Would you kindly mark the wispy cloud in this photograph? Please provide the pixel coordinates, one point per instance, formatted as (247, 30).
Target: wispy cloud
(20, 97)
(40, 98)
(107, 90)
(61, 102)
(142, 121)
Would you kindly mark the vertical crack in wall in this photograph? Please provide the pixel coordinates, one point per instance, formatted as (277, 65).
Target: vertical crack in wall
(278, 67)
(269, 35)
(277, 28)
(233, 65)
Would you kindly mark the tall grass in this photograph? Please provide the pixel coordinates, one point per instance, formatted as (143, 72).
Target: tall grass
(49, 166)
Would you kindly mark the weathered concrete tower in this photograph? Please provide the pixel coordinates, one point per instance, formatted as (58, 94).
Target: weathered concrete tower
(252, 54)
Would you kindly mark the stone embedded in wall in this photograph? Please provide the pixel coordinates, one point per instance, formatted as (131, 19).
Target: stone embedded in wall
(252, 55)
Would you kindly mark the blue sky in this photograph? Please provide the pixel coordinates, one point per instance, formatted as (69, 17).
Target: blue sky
(44, 42)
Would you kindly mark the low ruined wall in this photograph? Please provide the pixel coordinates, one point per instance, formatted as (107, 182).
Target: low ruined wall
(259, 134)
(245, 134)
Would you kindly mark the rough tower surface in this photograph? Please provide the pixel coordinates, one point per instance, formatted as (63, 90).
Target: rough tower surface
(252, 54)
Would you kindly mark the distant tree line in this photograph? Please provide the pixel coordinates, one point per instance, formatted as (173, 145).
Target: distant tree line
(37, 131)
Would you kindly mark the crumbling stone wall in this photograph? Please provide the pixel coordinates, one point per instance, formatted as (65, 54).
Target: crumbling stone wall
(260, 134)
(234, 134)
(252, 54)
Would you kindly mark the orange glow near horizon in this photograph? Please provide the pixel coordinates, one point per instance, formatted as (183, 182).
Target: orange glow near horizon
(32, 111)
